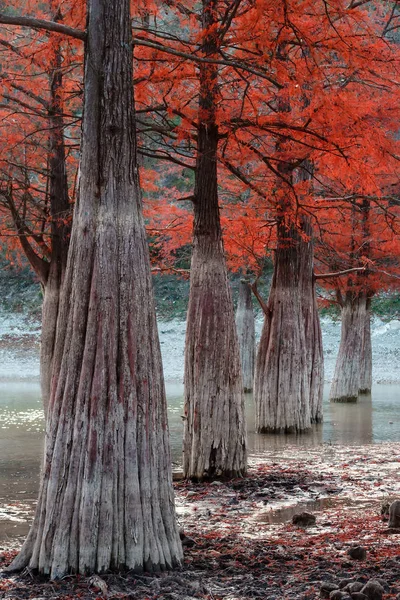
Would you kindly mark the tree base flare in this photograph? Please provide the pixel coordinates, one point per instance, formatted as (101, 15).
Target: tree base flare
(344, 399)
(353, 370)
(288, 383)
(283, 430)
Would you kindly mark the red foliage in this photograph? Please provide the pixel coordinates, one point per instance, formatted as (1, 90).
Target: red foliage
(300, 82)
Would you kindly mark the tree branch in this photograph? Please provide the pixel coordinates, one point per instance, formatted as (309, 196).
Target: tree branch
(170, 270)
(338, 273)
(42, 24)
(202, 59)
(260, 299)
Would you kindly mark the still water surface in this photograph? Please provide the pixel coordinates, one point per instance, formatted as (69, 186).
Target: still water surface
(373, 419)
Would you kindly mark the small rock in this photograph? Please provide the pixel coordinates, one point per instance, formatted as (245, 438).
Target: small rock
(391, 564)
(99, 584)
(345, 582)
(186, 541)
(215, 483)
(354, 587)
(304, 519)
(373, 590)
(190, 494)
(339, 595)
(357, 553)
(394, 514)
(326, 588)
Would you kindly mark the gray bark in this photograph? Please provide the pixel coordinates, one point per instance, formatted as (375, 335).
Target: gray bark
(246, 333)
(353, 370)
(106, 497)
(366, 354)
(312, 327)
(289, 366)
(214, 432)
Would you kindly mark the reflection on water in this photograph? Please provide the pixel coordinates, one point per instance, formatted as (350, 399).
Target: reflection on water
(21, 447)
(21, 437)
(364, 422)
(350, 423)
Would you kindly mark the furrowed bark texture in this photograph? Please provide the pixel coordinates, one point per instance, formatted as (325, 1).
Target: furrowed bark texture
(214, 434)
(106, 498)
(246, 334)
(312, 327)
(366, 354)
(289, 367)
(366, 349)
(60, 229)
(353, 370)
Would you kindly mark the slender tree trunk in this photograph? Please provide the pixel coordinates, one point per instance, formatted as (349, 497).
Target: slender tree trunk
(366, 349)
(60, 229)
(214, 434)
(289, 368)
(106, 498)
(366, 354)
(312, 327)
(246, 334)
(353, 371)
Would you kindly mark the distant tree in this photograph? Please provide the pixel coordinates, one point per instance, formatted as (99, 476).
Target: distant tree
(246, 333)
(291, 148)
(358, 260)
(325, 63)
(215, 433)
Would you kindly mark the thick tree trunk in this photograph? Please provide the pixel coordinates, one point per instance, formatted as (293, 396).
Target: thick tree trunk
(106, 498)
(215, 433)
(289, 367)
(353, 370)
(246, 334)
(60, 229)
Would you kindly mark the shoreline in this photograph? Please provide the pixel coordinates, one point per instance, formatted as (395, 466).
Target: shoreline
(19, 348)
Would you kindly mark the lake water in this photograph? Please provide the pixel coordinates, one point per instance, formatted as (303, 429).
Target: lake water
(374, 419)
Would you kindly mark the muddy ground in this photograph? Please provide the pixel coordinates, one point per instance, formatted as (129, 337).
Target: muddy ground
(240, 542)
